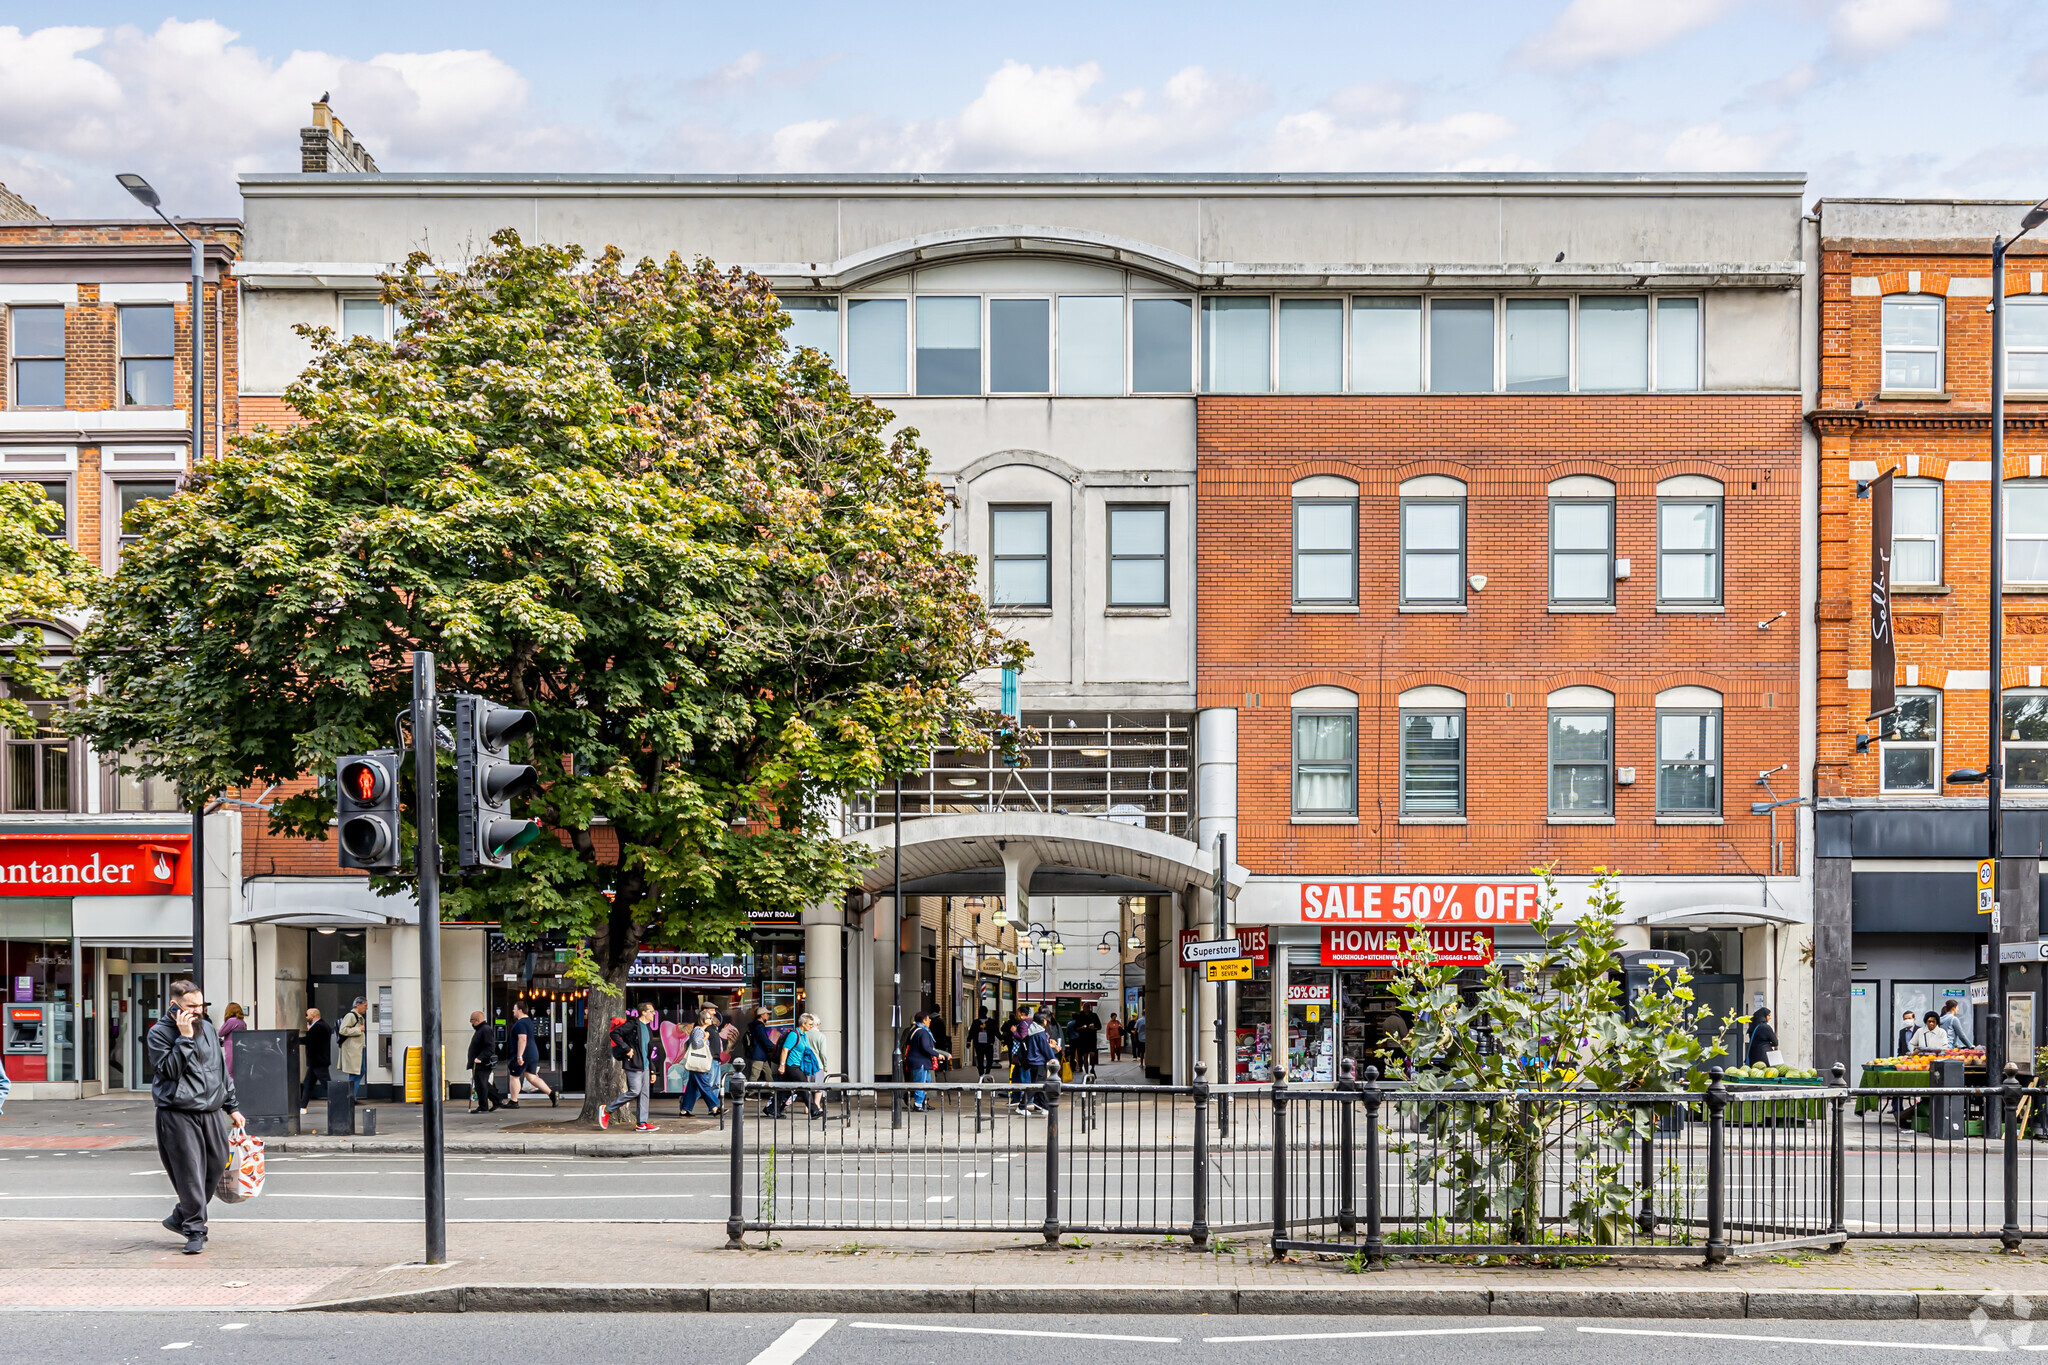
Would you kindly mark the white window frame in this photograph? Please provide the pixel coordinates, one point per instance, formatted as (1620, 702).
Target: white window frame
(1571, 341)
(1202, 350)
(2008, 746)
(1123, 386)
(341, 303)
(1699, 322)
(2013, 302)
(63, 357)
(2004, 550)
(1940, 525)
(1885, 745)
(1940, 348)
(909, 302)
(1343, 340)
(1421, 341)
(838, 301)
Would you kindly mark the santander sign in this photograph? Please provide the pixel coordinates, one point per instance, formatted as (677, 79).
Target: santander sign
(152, 864)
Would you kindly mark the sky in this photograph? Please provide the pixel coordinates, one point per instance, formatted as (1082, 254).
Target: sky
(1866, 97)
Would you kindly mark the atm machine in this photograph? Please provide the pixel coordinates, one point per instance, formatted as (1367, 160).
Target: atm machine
(25, 1042)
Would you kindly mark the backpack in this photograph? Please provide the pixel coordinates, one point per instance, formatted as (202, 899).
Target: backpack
(1039, 1049)
(800, 1054)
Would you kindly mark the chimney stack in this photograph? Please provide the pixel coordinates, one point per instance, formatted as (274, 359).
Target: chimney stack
(328, 146)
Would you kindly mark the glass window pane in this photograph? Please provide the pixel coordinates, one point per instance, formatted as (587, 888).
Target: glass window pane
(2026, 768)
(1162, 345)
(1539, 335)
(39, 383)
(1678, 344)
(56, 777)
(1324, 525)
(1386, 345)
(1324, 577)
(1019, 530)
(1913, 561)
(146, 331)
(1915, 719)
(146, 383)
(2027, 371)
(1579, 525)
(1430, 754)
(21, 776)
(362, 318)
(2026, 561)
(1686, 525)
(1908, 769)
(1579, 577)
(1430, 525)
(2026, 324)
(1461, 346)
(1323, 739)
(1019, 345)
(1137, 530)
(133, 495)
(1614, 344)
(1137, 582)
(1311, 345)
(1683, 737)
(1021, 582)
(877, 345)
(2026, 509)
(1235, 345)
(60, 494)
(128, 790)
(1912, 371)
(1579, 737)
(1916, 510)
(1430, 578)
(1092, 345)
(948, 346)
(37, 331)
(1685, 577)
(1912, 322)
(813, 322)
(2026, 716)
(1324, 750)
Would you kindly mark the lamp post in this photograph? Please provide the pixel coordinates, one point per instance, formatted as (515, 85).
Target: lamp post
(1994, 759)
(146, 195)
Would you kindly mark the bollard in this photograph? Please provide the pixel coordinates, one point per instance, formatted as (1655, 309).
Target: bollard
(1198, 1230)
(736, 1214)
(2009, 1111)
(1375, 1243)
(1052, 1159)
(1347, 1166)
(1838, 1163)
(1279, 1165)
(1717, 1210)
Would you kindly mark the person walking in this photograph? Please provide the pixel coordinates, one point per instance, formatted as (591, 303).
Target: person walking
(922, 1055)
(1955, 1024)
(483, 1062)
(631, 1044)
(1763, 1039)
(526, 1058)
(1088, 1038)
(1137, 1032)
(318, 1042)
(195, 1102)
(763, 1047)
(982, 1039)
(231, 1024)
(353, 1031)
(700, 1064)
(1114, 1031)
(802, 1059)
(730, 1039)
(1041, 1050)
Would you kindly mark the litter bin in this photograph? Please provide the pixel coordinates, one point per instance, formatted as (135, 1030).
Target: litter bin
(267, 1080)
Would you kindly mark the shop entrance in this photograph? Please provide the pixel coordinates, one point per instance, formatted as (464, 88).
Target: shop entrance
(141, 1006)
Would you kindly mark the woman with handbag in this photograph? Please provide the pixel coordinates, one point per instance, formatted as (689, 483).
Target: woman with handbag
(700, 1063)
(1763, 1040)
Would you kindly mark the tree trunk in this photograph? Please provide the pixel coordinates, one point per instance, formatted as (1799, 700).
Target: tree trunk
(603, 1078)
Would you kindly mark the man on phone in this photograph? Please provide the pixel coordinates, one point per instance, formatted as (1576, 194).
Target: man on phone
(195, 1101)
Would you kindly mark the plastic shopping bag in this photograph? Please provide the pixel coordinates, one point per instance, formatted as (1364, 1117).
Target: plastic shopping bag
(243, 1178)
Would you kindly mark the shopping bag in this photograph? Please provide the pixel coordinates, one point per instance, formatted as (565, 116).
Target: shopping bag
(243, 1178)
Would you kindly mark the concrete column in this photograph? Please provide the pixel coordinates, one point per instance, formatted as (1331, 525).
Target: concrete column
(859, 977)
(464, 960)
(1216, 777)
(376, 976)
(1831, 954)
(262, 1002)
(223, 875)
(825, 981)
(287, 1009)
(2019, 908)
(405, 1001)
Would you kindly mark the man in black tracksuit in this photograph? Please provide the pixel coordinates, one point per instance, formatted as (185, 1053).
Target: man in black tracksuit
(195, 1099)
(483, 1060)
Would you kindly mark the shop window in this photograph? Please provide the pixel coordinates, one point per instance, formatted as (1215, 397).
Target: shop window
(1614, 344)
(1386, 345)
(1236, 355)
(1689, 549)
(1461, 346)
(948, 347)
(1678, 345)
(1311, 345)
(1581, 760)
(1433, 760)
(813, 322)
(36, 338)
(1325, 550)
(1020, 556)
(2026, 532)
(1020, 345)
(877, 345)
(1137, 555)
(1162, 345)
(1539, 345)
(1092, 345)
(146, 344)
(1688, 762)
(39, 763)
(1916, 531)
(1581, 550)
(1910, 750)
(1911, 330)
(1326, 760)
(2026, 740)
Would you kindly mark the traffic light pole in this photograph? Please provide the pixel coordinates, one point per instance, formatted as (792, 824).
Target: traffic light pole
(427, 847)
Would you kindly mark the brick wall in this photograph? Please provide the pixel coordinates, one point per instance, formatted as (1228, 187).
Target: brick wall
(1861, 435)
(1508, 650)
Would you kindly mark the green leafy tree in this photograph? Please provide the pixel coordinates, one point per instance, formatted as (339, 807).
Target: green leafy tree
(41, 579)
(605, 492)
(1553, 1025)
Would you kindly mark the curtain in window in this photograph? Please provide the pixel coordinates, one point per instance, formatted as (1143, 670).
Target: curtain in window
(1323, 753)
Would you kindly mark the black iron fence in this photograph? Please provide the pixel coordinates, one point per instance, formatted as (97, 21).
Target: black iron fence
(1372, 1171)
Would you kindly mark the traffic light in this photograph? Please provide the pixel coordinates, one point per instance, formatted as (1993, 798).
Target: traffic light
(366, 804)
(486, 781)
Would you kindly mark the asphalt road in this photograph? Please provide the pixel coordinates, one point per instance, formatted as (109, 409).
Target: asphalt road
(748, 1339)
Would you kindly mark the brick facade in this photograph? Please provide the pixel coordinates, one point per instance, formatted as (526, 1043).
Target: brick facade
(1508, 649)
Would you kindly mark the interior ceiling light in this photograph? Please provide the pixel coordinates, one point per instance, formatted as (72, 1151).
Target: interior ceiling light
(961, 781)
(1095, 753)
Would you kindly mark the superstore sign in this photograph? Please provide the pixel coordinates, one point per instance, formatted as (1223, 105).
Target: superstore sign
(1418, 902)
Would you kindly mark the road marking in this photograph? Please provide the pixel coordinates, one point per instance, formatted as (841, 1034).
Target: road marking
(940, 1199)
(554, 1198)
(1413, 1332)
(174, 1346)
(789, 1348)
(1000, 1332)
(1787, 1341)
(233, 1326)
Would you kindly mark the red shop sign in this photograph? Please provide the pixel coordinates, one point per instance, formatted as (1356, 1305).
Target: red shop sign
(1308, 994)
(1418, 902)
(1344, 946)
(95, 865)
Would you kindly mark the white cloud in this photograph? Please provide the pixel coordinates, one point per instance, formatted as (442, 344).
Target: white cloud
(1371, 128)
(1785, 88)
(1588, 31)
(75, 101)
(1625, 145)
(1029, 118)
(1861, 29)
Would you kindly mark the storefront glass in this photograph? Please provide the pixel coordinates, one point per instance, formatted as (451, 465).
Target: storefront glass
(138, 983)
(1254, 1051)
(1715, 961)
(1311, 1025)
(45, 1038)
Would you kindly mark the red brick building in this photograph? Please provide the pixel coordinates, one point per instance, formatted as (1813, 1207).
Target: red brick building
(1540, 605)
(1904, 387)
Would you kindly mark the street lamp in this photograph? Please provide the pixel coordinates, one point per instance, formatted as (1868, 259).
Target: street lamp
(1994, 764)
(147, 196)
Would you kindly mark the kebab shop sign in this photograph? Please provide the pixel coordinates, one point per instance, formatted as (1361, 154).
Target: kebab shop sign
(94, 865)
(1418, 902)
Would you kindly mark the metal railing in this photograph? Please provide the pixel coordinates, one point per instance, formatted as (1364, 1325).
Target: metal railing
(1375, 1171)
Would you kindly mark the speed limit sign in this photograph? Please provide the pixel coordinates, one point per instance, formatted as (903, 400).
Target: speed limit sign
(1987, 885)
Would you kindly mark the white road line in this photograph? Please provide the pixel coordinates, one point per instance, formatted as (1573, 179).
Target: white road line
(789, 1348)
(1787, 1341)
(1413, 1332)
(233, 1326)
(1001, 1332)
(556, 1198)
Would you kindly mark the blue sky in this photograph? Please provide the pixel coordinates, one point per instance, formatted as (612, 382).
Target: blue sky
(1886, 97)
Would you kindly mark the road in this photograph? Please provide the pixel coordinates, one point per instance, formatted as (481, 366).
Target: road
(750, 1339)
